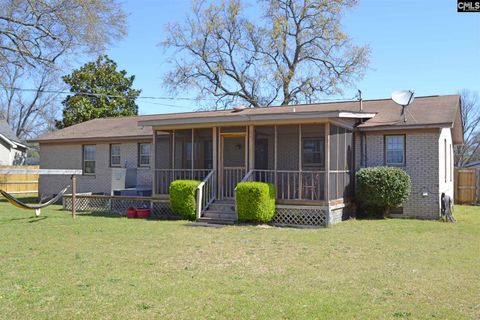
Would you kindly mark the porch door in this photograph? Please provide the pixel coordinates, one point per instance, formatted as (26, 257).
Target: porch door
(233, 163)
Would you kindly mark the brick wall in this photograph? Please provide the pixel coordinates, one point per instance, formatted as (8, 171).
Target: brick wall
(422, 164)
(69, 156)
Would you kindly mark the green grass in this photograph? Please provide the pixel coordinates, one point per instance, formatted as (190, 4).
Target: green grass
(54, 267)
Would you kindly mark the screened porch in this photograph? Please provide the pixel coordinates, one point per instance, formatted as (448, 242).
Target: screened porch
(311, 162)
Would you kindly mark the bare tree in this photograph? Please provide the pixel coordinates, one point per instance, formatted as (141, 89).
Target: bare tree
(32, 111)
(471, 128)
(294, 52)
(34, 36)
(34, 32)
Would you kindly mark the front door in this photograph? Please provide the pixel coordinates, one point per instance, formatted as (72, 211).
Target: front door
(233, 164)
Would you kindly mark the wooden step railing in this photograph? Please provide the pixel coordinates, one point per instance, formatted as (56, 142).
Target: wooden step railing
(206, 191)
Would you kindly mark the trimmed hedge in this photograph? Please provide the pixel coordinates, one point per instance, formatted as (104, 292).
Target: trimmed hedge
(183, 198)
(380, 189)
(255, 201)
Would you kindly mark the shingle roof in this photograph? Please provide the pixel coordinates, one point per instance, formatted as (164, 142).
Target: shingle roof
(423, 112)
(6, 131)
(103, 128)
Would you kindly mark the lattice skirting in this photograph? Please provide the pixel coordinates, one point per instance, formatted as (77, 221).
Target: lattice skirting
(297, 215)
(160, 208)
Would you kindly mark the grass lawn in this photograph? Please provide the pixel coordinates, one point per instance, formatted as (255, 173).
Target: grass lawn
(103, 267)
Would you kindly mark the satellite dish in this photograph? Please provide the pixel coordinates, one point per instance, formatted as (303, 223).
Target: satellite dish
(403, 97)
(239, 108)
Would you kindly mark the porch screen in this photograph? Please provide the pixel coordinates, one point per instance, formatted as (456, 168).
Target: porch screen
(341, 156)
(163, 160)
(202, 149)
(163, 150)
(288, 162)
(313, 161)
(264, 154)
(183, 149)
(288, 148)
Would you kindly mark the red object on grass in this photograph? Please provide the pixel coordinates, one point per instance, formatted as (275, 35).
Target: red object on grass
(131, 212)
(143, 213)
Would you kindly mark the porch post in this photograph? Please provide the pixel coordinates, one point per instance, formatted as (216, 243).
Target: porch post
(154, 164)
(327, 162)
(275, 157)
(215, 159)
(191, 157)
(173, 155)
(251, 148)
(300, 180)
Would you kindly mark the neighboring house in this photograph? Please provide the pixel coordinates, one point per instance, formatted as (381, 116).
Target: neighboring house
(472, 165)
(12, 150)
(310, 152)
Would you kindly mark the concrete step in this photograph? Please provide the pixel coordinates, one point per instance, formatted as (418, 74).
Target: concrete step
(227, 207)
(220, 214)
(216, 220)
(228, 201)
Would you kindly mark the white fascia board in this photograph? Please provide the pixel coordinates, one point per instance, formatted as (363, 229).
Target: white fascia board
(10, 142)
(17, 144)
(356, 115)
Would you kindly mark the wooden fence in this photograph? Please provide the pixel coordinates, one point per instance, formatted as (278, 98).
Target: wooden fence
(19, 183)
(467, 186)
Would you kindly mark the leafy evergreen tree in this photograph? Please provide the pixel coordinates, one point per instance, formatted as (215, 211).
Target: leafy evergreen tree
(99, 90)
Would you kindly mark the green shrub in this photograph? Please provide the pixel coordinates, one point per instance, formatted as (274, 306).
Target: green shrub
(183, 198)
(255, 201)
(380, 189)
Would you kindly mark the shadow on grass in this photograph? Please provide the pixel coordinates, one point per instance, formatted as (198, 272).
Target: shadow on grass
(96, 214)
(24, 199)
(27, 219)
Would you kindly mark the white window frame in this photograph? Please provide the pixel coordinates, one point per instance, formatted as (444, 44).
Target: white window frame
(112, 156)
(84, 161)
(140, 155)
(395, 150)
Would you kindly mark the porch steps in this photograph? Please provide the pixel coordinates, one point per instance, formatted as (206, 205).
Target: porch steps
(220, 212)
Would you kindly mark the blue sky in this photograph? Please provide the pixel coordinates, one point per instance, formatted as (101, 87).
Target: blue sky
(423, 45)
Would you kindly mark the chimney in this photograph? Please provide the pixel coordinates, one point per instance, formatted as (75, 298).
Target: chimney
(360, 100)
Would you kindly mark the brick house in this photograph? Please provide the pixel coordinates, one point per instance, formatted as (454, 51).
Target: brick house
(310, 152)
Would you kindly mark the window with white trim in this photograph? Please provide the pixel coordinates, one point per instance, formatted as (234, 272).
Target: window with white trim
(115, 160)
(395, 150)
(144, 154)
(89, 151)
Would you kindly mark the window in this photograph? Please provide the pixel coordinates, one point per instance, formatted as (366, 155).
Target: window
(445, 157)
(313, 152)
(451, 163)
(144, 154)
(89, 159)
(115, 155)
(395, 150)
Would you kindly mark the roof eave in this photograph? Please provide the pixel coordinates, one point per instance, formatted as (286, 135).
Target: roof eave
(252, 118)
(8, 141)
(91, 139)
(405, 126)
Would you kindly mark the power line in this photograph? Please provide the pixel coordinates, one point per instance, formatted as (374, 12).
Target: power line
(110, 95)
(90, 94)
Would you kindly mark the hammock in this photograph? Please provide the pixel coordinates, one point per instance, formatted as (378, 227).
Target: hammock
(19, 204)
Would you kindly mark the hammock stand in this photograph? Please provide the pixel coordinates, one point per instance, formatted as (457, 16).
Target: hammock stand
(37, 208)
